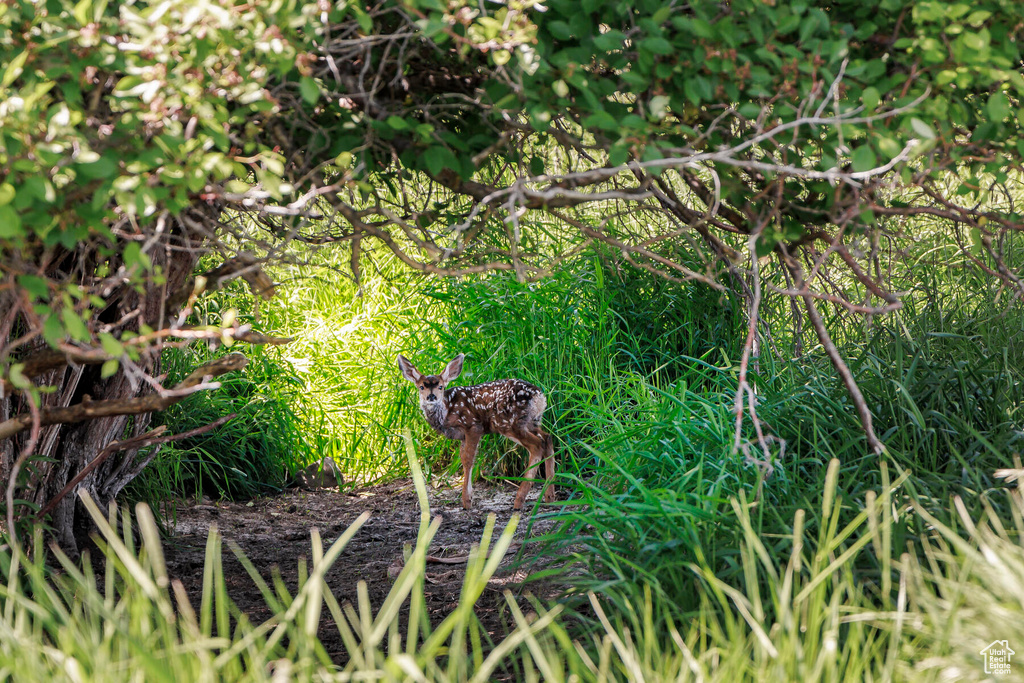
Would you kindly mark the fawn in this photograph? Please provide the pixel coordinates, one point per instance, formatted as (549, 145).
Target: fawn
(510, 407)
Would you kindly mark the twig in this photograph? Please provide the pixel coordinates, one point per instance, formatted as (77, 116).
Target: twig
(26, 453)
(743, 387)
(837, 360)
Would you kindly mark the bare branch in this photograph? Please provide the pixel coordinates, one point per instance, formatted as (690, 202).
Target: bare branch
(89, 409)
(837, 360)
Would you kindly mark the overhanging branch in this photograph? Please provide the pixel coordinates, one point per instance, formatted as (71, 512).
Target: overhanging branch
(89, 409)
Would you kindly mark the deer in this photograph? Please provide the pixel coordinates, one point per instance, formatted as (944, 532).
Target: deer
(510, 407)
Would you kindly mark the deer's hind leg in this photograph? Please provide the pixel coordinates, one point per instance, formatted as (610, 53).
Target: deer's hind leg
(549, 468)
(536, 444)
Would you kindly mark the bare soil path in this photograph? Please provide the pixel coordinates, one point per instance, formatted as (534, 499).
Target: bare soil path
(275, 532)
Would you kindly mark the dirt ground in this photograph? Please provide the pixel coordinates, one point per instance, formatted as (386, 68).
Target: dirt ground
(275, 532)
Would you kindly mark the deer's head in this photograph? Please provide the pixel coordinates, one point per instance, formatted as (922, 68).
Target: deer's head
(431, 387)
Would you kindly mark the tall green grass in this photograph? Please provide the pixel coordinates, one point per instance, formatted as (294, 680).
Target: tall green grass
(656, 469)
(333, 391)
(252, 454)
(347, 339)
(798, 608)
(592, 336)
(573, 334)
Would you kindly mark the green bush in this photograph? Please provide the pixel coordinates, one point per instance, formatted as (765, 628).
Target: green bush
(252, 454)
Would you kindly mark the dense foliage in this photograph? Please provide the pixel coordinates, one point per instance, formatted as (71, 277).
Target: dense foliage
(727, 237)
(137, 137)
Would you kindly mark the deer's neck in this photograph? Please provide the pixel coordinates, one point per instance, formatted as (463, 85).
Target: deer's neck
(436, 413)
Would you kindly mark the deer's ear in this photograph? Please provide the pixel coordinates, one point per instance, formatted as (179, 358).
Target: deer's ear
(454, 369)
(409, 370)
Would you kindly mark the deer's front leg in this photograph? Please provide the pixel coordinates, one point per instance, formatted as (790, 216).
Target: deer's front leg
(467, 453)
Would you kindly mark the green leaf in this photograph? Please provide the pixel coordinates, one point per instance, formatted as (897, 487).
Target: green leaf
(362, 18)
(34, 285)
(74, 324)
(309, 90)
(701, 28)
(603, 120)
(397, 122)
(53, 331)
(134, 257)
(659, 107)
(437, 159)
(888, 147)
(691, 91)
(652, 153)
(7, 193)
(870, 98)
(18, 378)
(656, 45)
(922, 128)
(14, 68)
(111, 345)
(618, 154)
(975, 239)
(765, 244)
(750, 110)
(537, 166)
(863, 159)
(126, 183)
(104, 167)
(109, 368)
(977, 18)
(10, 223)
(705, 87)
(612, 40)
(975, 41)
(788, 24)
(81, 11)
(807, 28)
(560, 30)
(998, 107)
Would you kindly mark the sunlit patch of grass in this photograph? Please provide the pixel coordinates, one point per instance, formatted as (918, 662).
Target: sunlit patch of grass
(347, 338)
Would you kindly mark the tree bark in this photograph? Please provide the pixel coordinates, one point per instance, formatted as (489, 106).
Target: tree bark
(63, 448)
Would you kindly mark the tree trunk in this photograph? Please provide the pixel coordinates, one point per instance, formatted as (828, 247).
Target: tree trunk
(64, 450)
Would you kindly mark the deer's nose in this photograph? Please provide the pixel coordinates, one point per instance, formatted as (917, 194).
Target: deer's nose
(431, 397)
